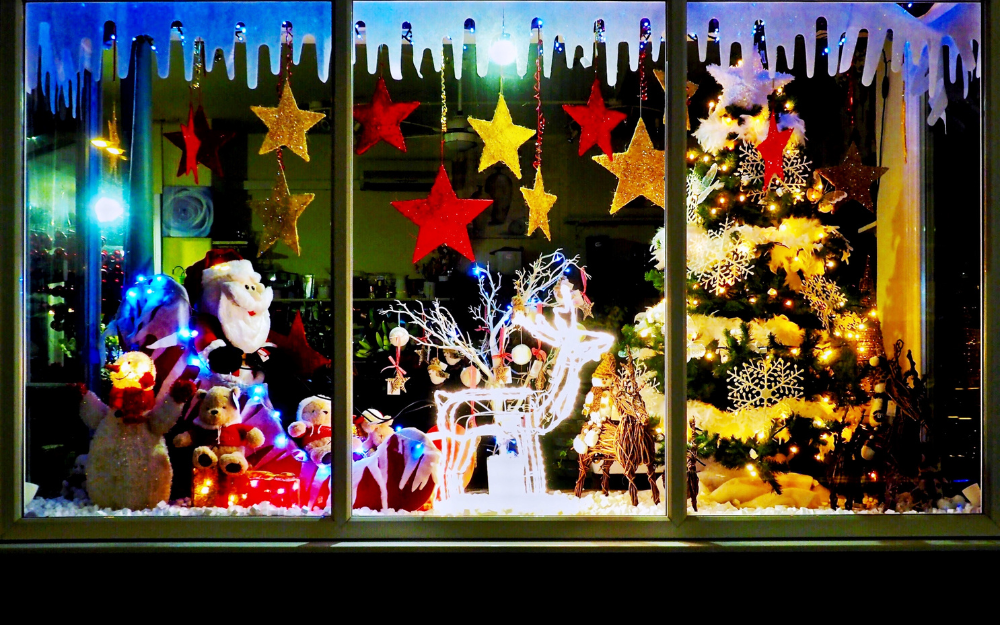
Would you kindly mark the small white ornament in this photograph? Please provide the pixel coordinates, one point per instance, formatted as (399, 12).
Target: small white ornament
(579, 445)
(591, 438)
(452, 357)
(470, 376)
(399, 337)
(873, 361)
(521, 354)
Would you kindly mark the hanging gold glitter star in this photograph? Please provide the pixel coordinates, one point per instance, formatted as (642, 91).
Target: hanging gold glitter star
(112, 145)
(585, 308)
(287, 124)
(280, 213)
(539, 203)
(854, 178)
(640, 170)
(501, 138)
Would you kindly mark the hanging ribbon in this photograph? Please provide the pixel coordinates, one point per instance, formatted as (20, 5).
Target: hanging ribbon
(583, 279)
(395, 363)
(644, 35)
(538, 99)
(444, 104)
(284, 74)
(501, 354)
(539, 353)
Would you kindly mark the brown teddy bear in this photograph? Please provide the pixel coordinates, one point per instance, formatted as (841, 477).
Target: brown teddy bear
(312, 428)
(219, 437)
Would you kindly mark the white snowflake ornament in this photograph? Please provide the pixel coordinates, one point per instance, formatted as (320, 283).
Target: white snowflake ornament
(824, 297)
(764, 382)
(698, 190)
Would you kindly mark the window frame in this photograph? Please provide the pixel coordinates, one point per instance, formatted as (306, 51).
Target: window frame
(341, 525)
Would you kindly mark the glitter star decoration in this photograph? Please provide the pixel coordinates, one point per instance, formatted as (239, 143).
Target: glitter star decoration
(539, 204)
(287, 124)
(772, 150)
(280, 213)
(443, 218)
(380, 120)
(187, 140)
(854, 178)
(640, 170)
(501, 138)
(596, 121)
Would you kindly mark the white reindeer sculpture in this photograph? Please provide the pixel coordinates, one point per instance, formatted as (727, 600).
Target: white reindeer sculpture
(519, 412)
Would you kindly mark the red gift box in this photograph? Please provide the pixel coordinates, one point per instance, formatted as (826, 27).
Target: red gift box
(211, 488)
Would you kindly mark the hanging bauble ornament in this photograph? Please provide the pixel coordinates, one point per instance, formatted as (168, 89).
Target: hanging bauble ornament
(399, 337)
(521, 354)
(436, 372)
(867, 452)
(452, 357)
(470, 376)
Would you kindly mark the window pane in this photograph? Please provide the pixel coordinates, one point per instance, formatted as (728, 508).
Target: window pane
(176, 320)
(492, 307)
(834, 258)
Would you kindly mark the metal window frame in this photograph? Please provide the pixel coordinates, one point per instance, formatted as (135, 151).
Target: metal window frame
(672, 532)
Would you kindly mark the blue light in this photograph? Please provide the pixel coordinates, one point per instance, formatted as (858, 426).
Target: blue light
(149, 291)
(194, 361)
(108, 209)
(132, 294)
(194, 333)
(281, 440)
(159, 278)
(826, 50)
(418, 450)
(277, 414)
(258, 390)
(399, 427)
(140, 278)
(185, 333)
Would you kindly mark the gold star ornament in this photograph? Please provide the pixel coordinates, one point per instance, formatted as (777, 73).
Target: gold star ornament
(539, 204)
(280, 213)
(501, 138)
(287, 124)
(640, 170)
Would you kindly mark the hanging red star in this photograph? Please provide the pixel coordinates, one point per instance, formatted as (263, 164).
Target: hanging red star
(380, 119)
(307, 359)
(442, 218)
(854, 178)
(596, 122)
(206, 150)
(772, 149)
(187, 140)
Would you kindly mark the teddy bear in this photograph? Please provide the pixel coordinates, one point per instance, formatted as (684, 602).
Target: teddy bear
(219, 437)
(372, 428)
(311, 428)
(127, 465)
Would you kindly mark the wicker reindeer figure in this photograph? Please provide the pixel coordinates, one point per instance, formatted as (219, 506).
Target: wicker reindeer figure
(633, 443)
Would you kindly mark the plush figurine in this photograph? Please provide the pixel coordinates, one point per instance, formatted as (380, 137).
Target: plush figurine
(74, 487)
(232, 321)
(128, 466)
(373, 427)
(219, 437)
(311, 428)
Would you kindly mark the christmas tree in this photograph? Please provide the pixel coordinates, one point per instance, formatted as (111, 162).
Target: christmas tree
(778, 342)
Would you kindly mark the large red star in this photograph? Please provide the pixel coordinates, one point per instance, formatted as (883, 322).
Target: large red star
(442, 218)
(187, 140)
(308, 360)
(772, 149)
(380, 119)
(596, 122)
(206, 147)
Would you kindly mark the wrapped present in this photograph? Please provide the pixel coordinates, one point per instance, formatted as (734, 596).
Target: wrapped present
(213, 489)
(280, 489)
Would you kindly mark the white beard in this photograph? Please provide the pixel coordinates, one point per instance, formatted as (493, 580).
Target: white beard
(246, 332)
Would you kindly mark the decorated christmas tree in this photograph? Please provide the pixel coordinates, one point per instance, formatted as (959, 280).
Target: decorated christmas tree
(778, 342)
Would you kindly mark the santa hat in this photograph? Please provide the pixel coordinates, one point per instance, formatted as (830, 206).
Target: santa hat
(215, 264)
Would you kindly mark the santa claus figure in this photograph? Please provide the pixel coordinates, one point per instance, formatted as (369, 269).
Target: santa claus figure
(232, 319)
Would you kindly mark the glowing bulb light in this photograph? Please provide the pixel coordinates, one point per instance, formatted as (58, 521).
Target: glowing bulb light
(502, 52)
(108, 209)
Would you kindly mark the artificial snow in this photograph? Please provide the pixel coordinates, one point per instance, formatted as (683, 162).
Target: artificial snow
(61, 507)
(555, 503)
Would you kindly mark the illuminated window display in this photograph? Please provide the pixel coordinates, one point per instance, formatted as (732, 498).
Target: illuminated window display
(477, 388)
(299, 260)
(178, 219)
(833, 344)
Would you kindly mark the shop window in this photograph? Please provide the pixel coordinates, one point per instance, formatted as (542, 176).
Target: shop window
(834, 257)
(178, 212)
(492, 307)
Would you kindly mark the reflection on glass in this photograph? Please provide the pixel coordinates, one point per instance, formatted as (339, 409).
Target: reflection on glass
(833, 349)
(494, 369)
